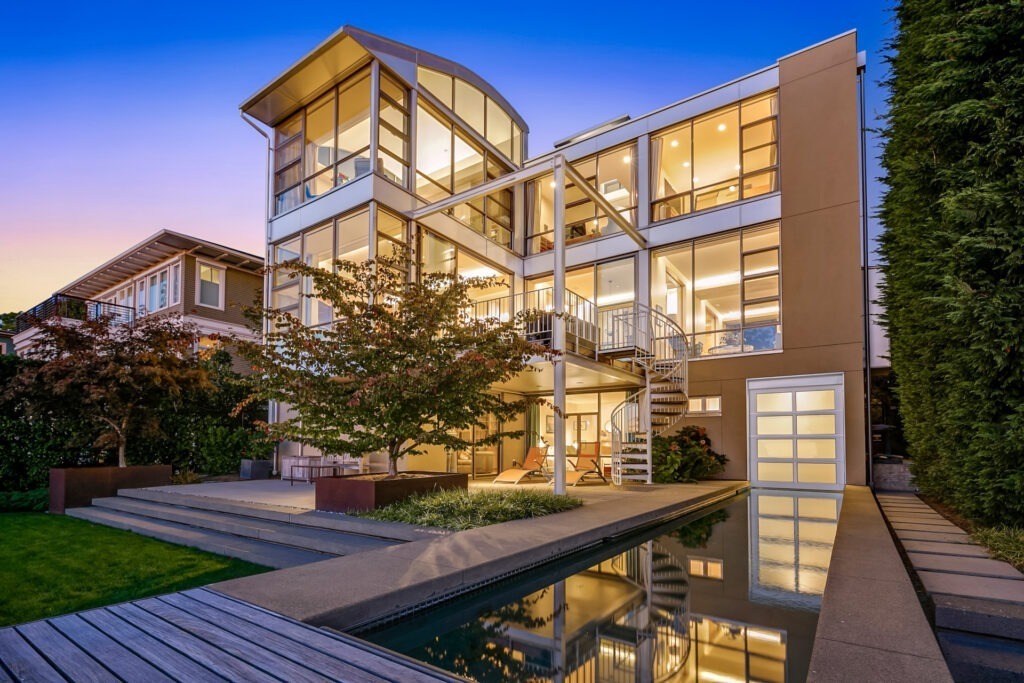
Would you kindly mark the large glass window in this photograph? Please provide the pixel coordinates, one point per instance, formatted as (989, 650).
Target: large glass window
(724, 291)
(210, 291)
(393, 131)
(721, 157)
(326, 144)
(438, 255)
(448, 161)
(480, 112)
(611, 174)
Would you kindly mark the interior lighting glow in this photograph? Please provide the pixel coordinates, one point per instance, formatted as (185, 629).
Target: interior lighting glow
(721, 128)
(626, 159)
(674, 143)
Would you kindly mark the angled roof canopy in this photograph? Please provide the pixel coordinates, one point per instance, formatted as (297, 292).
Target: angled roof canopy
(343, 52)
(152, 251)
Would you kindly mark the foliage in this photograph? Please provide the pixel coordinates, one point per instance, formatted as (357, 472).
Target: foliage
(403, 365)
(7, 320)
(1005, 542)
(697, 533)
(117, 375)
(685, 457)
(954, 249)
(459, 509)
(36, 500)
(185, 477)
(52, 564)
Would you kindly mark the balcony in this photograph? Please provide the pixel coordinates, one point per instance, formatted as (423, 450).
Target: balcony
(73, 308)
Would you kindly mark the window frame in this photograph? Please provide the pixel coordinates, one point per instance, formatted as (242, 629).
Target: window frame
(221, 287)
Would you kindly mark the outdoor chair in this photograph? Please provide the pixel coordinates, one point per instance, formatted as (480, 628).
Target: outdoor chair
(587, 463)
(535, 464)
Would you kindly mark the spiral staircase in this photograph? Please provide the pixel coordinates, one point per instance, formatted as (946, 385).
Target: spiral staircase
(657, 347)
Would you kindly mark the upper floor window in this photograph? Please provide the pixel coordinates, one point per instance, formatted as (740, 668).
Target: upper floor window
(324, 145)
(721, 157)
(611, 173)
(448, 161)
(480, 112)
(724, 290)
(210, 285)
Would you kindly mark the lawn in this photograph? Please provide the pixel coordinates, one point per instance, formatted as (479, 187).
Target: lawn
(51, 564)
(459, 509)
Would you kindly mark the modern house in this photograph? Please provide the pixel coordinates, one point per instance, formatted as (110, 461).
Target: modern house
(706, 256)
(168, 273)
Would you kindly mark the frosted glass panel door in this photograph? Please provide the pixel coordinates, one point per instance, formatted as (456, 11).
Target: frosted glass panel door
(795, 428)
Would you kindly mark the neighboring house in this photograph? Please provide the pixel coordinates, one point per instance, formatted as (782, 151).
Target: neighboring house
(6, 342)
(707, 254)
(168, 273)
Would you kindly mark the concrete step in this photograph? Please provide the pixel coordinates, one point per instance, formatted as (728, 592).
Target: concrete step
(310, 518)
(985, 617)
(283, 533)
(257, 552)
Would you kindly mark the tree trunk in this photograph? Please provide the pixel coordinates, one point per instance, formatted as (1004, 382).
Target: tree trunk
(392, 467)
(121, 448)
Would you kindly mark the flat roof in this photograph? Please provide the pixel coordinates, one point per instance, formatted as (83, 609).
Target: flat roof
(152, 251)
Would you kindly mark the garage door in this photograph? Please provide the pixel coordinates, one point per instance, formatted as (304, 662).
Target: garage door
(797, 439)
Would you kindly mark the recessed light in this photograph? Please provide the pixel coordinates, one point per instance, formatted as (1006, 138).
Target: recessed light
(732, 188)
(686, 164)
(721, 128)
(674, 143)
(626, 159)
(552, 183)
(737, 167)
(696, 179)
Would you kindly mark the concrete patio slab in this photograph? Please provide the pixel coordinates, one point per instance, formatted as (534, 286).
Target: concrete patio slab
(964, 585)
(834, 661)
(964, 565)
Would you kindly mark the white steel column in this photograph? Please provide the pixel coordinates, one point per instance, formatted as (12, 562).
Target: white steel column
(558, 325)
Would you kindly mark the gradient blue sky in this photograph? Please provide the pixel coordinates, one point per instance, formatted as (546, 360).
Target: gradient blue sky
(120, 119)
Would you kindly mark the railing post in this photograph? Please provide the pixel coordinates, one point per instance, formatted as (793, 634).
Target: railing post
(558, 324)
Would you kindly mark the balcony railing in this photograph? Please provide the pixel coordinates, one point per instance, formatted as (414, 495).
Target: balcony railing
(581, 331)
(74, 308)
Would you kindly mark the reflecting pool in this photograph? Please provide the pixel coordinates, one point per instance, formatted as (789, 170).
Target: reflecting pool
(730, 594)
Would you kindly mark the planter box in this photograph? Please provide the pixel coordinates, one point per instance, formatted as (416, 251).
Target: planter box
(355, 492)
(75, 487)
(255, 469)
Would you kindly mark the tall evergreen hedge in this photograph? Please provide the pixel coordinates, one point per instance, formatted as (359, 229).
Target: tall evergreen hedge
(954, 249)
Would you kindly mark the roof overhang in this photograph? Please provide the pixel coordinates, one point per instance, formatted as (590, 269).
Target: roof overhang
(152, 252)
(341, 54)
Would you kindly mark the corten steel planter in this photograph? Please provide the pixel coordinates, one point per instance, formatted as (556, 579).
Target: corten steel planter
(75, 487)
(355, 492)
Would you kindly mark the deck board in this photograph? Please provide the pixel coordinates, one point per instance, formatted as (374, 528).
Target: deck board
(197, 635)
(280, 645)
(173, 663)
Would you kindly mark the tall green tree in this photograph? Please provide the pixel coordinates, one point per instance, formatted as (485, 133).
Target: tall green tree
(953, 248)
(117, 376)
(7, 320)
(403, 365)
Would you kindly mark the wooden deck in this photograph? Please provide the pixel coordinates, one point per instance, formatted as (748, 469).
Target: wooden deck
(196, 635)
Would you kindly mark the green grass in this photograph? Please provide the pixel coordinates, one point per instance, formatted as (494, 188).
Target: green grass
(1007, 543)
(459, 509)
(51, 564)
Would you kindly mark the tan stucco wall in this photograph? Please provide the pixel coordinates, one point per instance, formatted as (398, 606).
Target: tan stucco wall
(822, 288)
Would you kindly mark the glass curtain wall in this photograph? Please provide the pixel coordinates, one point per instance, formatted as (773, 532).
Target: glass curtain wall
(610, 173)
(448, 161)
(438, 255)
(724, 290)
(588, 419)
(721, 157)
(480, 112)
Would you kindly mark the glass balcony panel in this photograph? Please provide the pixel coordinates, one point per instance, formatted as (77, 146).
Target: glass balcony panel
(353, 167)
(319, 184)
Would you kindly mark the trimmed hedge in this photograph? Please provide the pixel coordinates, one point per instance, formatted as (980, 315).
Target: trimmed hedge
(954, 250)
(36, 500)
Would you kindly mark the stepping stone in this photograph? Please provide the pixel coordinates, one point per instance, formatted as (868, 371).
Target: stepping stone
(1006, 590)
(933, 536)
(1002, 619)
(960, 549)
(945, 528)
(974, 566)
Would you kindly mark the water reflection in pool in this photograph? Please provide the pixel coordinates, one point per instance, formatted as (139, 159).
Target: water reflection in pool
(731, 596)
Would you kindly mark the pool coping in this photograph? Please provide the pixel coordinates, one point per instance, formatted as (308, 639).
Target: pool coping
(871, 625)
(348, 592)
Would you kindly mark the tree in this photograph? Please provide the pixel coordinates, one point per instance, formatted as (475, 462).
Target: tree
(953, 249)
(115, 375)
(401, 367)
(7, 320)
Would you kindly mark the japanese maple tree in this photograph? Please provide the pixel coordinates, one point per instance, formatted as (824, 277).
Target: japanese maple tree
(404, 364)
(117, 375)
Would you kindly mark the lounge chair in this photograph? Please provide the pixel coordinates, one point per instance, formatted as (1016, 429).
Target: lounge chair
(535, 464)
(588, 462)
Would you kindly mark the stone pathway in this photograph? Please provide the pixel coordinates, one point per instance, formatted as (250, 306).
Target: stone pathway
(977, 599)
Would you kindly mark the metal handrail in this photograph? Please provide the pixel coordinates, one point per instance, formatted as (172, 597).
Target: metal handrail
(535, 310)
(73, 308)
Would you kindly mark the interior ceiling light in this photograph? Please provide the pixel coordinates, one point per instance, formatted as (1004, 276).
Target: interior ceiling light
(696, 179)
(686, 164)
(737, 167)
(626, 159)
(674, 143)
(552, 183)
(721, 128)
(732, 188)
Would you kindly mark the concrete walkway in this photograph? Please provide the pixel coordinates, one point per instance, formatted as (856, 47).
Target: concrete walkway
(871, 626)
(347, 592)
(977, 599)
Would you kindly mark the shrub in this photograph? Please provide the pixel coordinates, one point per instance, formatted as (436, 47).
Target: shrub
(459, 509)
(36, 500)
(685, 457)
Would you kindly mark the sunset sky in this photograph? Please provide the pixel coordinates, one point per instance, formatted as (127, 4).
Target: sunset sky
(120, 119)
